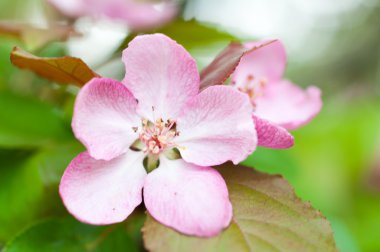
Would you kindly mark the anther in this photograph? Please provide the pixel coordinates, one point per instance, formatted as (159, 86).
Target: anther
(158, 136)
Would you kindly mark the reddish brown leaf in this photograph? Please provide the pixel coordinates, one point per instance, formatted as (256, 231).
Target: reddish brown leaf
(65, 70)
(218, 71)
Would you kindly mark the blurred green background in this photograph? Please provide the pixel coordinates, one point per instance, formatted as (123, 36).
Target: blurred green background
(335, 163)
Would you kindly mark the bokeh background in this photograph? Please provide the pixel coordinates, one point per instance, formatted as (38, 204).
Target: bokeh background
(335, 45)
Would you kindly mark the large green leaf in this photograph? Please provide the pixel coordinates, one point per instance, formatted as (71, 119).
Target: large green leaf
(68, 235)
(26, 122)
(21, 192)
(51, 162)
(268, 216)
(29, 185)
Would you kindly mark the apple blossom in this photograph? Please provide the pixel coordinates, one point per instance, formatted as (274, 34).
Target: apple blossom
(133, 129)
(138, 15)
(279, 105)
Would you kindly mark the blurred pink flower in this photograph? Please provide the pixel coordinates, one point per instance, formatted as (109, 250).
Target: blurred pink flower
(138, 15)
(279, 105)
(159, 106)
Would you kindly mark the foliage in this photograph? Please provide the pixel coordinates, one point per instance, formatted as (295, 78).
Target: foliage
(62, 70)
(68, 235)
(267, 217)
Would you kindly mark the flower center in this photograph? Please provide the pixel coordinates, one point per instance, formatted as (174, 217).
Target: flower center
(252, 87)
(157, 136)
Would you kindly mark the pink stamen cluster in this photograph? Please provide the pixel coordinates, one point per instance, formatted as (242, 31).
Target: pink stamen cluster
(253, 88)
(158, 136)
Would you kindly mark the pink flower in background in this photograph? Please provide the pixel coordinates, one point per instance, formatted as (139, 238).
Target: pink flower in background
(138, 15)
(157, 108)
(70, 8)
(279, 105)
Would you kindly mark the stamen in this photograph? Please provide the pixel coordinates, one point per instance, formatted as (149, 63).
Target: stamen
(158, 136)
(253, 87)
(250, 77)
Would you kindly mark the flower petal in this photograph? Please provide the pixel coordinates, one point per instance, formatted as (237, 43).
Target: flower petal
(271, 135)
(138, 15)
(104, 115)
(288, 105)
(160, 74)
(267, 62)
(103, 192)
(70, 8)
(189, 198)
(216, 126)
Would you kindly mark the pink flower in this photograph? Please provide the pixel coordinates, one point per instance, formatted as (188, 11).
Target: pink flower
(139, 15)
(156, 109)
(279, 105)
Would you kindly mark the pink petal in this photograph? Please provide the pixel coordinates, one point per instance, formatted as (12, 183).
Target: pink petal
(103, 192)
(216, 126)
(267, 63)
(271, 135)
(138, 15)
(288, 105)
(191, 199)
(160, 74)
(70, 8)
(104, 114)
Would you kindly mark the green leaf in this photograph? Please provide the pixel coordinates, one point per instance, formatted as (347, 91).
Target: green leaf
(26, 123)
(21, 192)
(68, 235)
(29, 185)
(193, 34)
(268, 216)
(52, 162)
(203, 41)
(6, 69)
